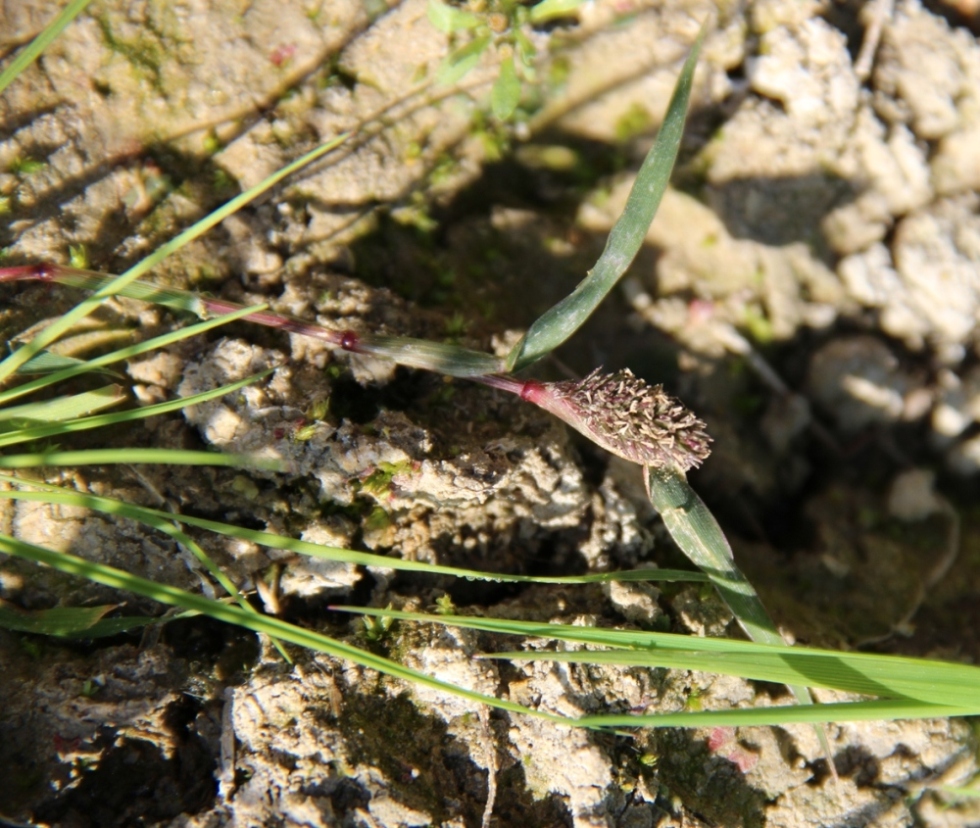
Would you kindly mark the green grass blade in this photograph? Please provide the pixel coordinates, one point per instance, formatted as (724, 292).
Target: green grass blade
(561, 321)
(85, 307)
(99, 421)
(47, 362)
(928, 681)
(697, 533)
(953, 684)
(153, 517)
(815, 714)
(91, 457)
(41, 42)
(62, 408)
(162, 341)
(173, 596)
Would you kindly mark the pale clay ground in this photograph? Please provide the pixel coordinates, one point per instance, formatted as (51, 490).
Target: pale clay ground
(839, 214)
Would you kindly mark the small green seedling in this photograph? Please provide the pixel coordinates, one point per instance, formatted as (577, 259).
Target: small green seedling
(504, 25)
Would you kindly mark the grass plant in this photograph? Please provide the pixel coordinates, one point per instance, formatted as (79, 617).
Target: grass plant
(622, 414)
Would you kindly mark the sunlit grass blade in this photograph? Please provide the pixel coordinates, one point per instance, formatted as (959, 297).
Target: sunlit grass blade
(923, 680)
(561, 321)
(153, 517)
(148, 346)
(85, 307)
(815, 714)
(61, 408)
(283, 630)
(136, 456)
(37, 46)
(929, 682)
(118, 418)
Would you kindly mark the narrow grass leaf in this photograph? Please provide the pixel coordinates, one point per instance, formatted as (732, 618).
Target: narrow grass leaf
(48, 362)
(561, 321)
(162, 341)
(108, 627)
(153, 517)
(933, 682)
(41, 42)
(829, 671)
(62, 408)
(173, 596)
(172, 457)
(697, 533)
(120, 417)
(815, 714)
(22, 355)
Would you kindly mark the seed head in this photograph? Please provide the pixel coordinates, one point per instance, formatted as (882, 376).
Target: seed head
(634, 420)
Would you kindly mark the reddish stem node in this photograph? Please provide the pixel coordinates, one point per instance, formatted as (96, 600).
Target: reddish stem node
(44, 271)
(349, 340)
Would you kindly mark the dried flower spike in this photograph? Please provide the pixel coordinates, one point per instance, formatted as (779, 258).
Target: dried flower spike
(626, 416)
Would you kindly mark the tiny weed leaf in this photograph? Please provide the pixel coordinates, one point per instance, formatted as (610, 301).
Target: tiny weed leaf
(506, 91)
(448, 19)
(551, 9)
(462, 61)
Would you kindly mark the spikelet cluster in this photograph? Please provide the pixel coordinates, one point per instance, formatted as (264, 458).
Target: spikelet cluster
(635, 420)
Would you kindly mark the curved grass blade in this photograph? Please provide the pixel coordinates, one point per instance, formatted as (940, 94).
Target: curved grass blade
(697, 533)
(99, 421)
(175, 597)
(85, 307)
(92, 457)
(561, 321)
(162, 341)
(154, 517)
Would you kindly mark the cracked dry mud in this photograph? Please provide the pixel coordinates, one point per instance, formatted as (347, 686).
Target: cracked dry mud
(831, 221)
